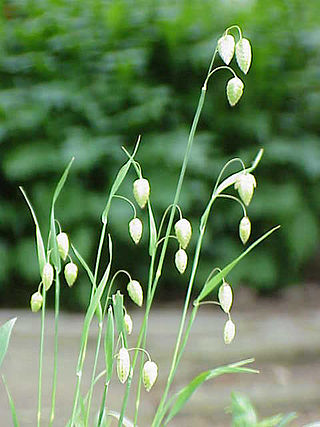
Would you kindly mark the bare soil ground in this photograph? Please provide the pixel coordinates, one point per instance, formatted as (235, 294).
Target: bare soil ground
(282, 334)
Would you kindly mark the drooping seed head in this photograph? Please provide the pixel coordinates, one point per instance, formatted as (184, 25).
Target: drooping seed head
(123, 365)
(181, 260)
(226, 48)
(63, 245)
(225, 297)
(149, 374)
(234, 90)
(135, 230)
(127, 323)
(141, 191)
(243, 54)
(70, 273)
(183, 232)
(135, 292)
(36, 302)
(245, 184)
(229, 331)
(47, 275)
(244, 229)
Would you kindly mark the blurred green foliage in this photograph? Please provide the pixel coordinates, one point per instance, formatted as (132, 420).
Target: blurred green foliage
(84, 77)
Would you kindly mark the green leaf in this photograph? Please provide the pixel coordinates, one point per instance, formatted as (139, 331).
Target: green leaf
(5, 333)
(118, 181)
(109, 344)
(153, 231)
(125, 421)
(84, 264)
(291, 416)
(179, 399)
(212, 283)
(98, 293)
(53, 241)
(40, 246)
(12, 406)
(243, 412)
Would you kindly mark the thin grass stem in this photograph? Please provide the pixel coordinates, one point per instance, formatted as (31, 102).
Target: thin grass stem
(55, 357)
(94, 371)
(43, 316)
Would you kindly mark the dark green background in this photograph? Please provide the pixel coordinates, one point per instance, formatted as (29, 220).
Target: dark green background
(84, 77)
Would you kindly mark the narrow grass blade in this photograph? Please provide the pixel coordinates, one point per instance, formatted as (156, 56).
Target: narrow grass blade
(212, 283)
(5, 333)
(99, 291)
(243, 412)
(40, 246)
(179, 399)
(290, 417)
(109, 344)
(84, 264)
(117, 182)
(12, 406)
(153, 231)
(125, 421)
(53, 241)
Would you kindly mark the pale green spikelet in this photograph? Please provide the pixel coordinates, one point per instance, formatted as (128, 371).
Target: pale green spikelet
(47, 275)
(149, 374)
(63, 245)
(135, 292)
(135, 230)
(36, 302)
(70, 273)
(141, 191)
(245, 229)
(226, 46)
(234, 90)
(123, 365)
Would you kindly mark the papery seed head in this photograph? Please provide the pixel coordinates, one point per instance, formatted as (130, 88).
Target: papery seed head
(225, 297)
(123, 365)
(183, 232)
(245, 185)
(36, 302)
(229, 331)
(181, 260)
(135, 292)
(47, 275)
(234, 90)
(243, 54)
(226, 48)
(70, 273)
(63, 245)
(135, 230)
(149, 374)
(141, 191)
(127, 323)
(244, 229)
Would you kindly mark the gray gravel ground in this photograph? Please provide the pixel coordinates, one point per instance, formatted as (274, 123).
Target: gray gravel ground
(282, 334)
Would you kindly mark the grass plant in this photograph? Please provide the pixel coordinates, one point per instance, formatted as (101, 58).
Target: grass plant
(107, 304)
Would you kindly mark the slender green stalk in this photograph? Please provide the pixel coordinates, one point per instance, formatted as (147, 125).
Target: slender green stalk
(55, 357)
(103, 402)
(143, 344)
(43, 316)
(159, 414)
(101, 241)
(85, 333)
(178, 351)
(94, 371)
(168, 231)
(142, 337)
